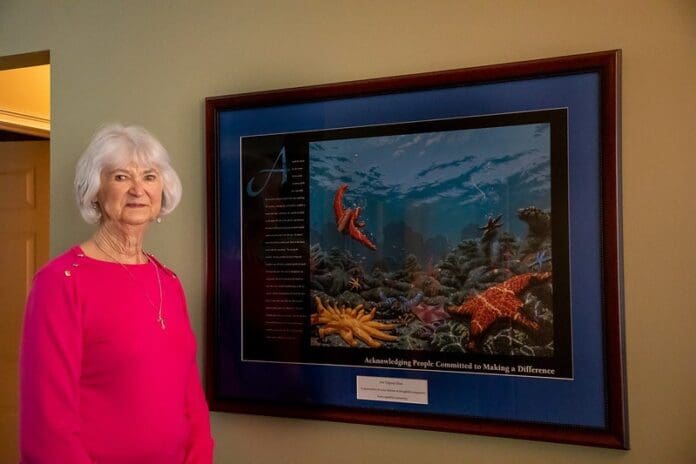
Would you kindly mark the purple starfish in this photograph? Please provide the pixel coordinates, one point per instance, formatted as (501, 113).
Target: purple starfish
(429, 314)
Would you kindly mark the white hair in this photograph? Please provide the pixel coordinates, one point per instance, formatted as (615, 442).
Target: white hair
(113, 146)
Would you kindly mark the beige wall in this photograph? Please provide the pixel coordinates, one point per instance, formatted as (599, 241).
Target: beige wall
(153, 62)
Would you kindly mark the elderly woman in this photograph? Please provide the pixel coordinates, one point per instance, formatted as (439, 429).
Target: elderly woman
(108, 358)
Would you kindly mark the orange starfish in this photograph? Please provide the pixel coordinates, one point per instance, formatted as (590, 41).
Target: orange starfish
(351, 323)
(498, 302)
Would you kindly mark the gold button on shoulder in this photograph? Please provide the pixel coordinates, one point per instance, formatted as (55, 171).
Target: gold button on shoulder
(67, 273)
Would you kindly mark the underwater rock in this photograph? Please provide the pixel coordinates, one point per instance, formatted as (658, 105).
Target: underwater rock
(411, 267)
(372, 294)
(539, 227)
(509, 248)
(334, 272)
(322, 281)
(375, 278)
(402, 287)
(514, 342)
(339, 280)
(316, 285)
(496, 275)
(350, 299)
(452, 336)
(536, 307)
(427, 284)
(468, 248)
(412, 337)
(516, 266)
(460, 262)
(477, 277)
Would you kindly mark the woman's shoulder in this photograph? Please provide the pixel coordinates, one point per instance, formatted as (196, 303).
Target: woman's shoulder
(62, 265)
(56, 276)
(168, 276)
(163, 269)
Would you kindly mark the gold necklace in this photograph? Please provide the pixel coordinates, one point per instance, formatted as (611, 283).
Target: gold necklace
(160, 317)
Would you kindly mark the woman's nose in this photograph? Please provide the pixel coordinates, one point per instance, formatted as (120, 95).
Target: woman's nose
(136, 188)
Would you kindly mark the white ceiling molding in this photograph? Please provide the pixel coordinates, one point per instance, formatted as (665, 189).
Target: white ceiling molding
(24, 123)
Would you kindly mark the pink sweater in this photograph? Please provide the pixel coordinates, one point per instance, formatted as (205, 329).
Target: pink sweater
(101, 382)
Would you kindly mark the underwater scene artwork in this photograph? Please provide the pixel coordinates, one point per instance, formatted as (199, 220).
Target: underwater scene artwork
(435, 244)
(435, 241)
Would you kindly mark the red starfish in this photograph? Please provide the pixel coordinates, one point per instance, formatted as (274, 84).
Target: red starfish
(498, 302)
(347, 219)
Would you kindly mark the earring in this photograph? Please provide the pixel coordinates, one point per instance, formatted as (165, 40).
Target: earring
(159, 220)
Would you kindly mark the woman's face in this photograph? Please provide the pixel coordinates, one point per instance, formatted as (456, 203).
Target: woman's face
(131, 194)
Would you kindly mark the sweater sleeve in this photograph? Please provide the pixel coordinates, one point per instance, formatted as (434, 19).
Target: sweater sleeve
(50, 367)
(200, 446)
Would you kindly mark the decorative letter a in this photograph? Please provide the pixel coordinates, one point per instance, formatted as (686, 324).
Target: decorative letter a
(283, 170)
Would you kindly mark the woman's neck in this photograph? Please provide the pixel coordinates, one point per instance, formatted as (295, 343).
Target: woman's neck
(120, 245)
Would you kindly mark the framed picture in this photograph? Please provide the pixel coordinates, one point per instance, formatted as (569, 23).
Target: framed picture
(438, 251)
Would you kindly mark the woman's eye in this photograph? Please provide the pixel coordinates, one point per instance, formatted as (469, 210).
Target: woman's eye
(150, 177)
(119, 177)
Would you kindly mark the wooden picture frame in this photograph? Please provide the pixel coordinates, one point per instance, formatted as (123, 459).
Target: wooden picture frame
(490, 138)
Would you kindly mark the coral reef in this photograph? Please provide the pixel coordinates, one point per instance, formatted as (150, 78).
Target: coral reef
(498, 288)
(515, 342)
(539, 223)
(451, 337)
